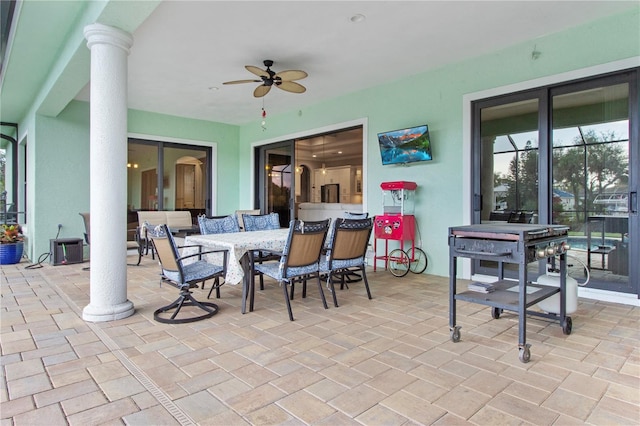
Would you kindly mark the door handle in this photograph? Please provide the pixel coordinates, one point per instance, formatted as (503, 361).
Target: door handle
(633, 202)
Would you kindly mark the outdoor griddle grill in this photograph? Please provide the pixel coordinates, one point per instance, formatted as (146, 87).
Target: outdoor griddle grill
(516, 244)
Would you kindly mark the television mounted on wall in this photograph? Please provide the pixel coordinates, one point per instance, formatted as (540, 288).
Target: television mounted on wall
(404, 146)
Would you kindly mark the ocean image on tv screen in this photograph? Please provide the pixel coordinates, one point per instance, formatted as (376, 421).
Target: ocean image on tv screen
(405, 146)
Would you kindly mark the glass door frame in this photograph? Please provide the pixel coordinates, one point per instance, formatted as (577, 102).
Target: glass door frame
(260, 196)
(545, 190)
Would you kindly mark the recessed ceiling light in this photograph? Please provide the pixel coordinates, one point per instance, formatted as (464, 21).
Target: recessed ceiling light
(214, 88)
(358, 17)
(314, 156)
(339, 152)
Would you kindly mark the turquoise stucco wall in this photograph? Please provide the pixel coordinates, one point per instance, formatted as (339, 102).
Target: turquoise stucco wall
(59, 149)
(436, 98)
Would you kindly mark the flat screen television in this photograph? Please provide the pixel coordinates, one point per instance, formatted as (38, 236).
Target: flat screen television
(405, 145)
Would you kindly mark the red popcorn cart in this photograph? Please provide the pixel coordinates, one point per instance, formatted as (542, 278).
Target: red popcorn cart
(398, 223)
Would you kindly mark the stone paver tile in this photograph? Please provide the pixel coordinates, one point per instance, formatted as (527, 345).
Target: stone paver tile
(620, 408)
(296, 380)
(156, 415)
(487, 383)
(83, 402)
(200, 406)
(28, 385)
(16, 406)
(73, 365)
(18, 346)
(247, 402)
(312, 360)
(601, 416)
(462, 401)
(49, 415)
(490, 416)
(624, 393)
(65, 392)
(390, 381)
(523, 409)
(144, 400)
(412, 407)
(526, 392)
(228, 417)
(13, 336)
(344, 375)
(230, 361)
(104, 413)
(166, 375)
(379, 415)
(205, 380)
(425, 390)
(437, 376)
(82, 338)
(254, 375)
(229, 389)
(585, 385)
(89, 349)
(269, 415)
(306, 407)
(68, 320)
(353, 356)
(18, 370)
(108, 371)
(357, 400)
(326, 389)
(59, 358)
(63, 379)
(121, 387)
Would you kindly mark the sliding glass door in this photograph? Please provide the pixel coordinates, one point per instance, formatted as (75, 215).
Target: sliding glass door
(565, 154)
(168, 176)
(276, 180)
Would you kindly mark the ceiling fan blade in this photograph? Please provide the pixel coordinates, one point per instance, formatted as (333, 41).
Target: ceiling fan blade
(261, 91)
(291, 86)
(257, 71)
(291, 75)
(242, 81)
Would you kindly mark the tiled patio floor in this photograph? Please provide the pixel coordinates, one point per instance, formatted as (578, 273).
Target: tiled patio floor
(386, 361)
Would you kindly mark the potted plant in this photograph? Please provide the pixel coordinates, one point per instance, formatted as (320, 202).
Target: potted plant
(11, 244)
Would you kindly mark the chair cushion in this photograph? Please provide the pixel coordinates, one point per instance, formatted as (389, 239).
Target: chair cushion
(340, 264)
(218, 226)
(274, 270)
(196, 271)
(262, 222)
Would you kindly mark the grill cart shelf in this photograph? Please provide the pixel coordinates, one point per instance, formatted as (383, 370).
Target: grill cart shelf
(515, 244)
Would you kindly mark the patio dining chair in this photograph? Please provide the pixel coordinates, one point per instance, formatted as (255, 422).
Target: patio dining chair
(185, 276)
(347, 251)
(263, 222)
(218, 224)
(299, 260)
(134, 244)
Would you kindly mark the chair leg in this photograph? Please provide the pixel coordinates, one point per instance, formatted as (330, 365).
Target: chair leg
(261, 281)
(366, 282)
(332, 289)
(324, 300)
(286, 299)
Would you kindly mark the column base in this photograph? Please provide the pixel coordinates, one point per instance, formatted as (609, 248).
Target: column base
(107, 313)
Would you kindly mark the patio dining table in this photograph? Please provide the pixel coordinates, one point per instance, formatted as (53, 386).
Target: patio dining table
(240, 245)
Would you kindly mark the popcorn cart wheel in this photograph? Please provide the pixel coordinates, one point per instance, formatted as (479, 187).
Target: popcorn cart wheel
(400, 262)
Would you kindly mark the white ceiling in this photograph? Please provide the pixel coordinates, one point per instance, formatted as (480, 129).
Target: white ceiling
(186, 48)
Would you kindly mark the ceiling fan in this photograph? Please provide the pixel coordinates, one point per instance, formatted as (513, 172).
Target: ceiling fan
(283, 80)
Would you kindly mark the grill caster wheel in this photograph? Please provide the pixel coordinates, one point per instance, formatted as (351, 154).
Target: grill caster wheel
(567, 324)
(525, 353)
(495, 313)
(455, 334)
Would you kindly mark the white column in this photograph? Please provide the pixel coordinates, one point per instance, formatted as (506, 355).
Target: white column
(108, 160)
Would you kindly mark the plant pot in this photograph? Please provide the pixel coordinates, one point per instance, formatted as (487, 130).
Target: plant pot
(11, 253)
